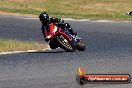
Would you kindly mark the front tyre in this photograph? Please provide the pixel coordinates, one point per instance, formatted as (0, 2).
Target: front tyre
(65, 43)
(80, 46)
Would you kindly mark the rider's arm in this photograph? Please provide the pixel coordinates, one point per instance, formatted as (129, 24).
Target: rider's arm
(55, 20)
(45, 33)
(43, 30)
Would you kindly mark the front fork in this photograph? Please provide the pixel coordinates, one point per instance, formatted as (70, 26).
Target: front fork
(76, 38)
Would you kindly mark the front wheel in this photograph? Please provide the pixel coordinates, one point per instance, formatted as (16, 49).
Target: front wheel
(80, 46)
(65, 43)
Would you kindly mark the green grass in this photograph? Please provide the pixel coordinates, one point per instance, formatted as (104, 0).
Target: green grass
(79, 9)
(12, 45)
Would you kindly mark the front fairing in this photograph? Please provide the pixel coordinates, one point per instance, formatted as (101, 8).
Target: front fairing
(67, 34)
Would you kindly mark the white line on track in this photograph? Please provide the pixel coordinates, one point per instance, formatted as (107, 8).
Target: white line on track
(31, 18)
(28, 51)
(70, 19)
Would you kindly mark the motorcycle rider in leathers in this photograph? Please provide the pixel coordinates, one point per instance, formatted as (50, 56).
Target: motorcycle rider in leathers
(45, 20)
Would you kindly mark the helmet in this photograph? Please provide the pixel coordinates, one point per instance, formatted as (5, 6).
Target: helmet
(44, 18)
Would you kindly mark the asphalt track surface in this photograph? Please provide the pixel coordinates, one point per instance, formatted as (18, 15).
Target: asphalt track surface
(109, 50)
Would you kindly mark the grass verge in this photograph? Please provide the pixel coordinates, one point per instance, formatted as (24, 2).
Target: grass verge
(79, 9)
(12, 45)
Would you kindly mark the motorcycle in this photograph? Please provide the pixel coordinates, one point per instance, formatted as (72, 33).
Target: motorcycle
(60, 37)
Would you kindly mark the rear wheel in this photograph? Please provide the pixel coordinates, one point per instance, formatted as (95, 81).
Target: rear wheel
(65, 43)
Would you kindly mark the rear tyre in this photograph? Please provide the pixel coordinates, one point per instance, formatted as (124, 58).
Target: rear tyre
(65, 43)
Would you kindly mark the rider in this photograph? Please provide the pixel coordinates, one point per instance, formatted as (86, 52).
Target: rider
(45, 20)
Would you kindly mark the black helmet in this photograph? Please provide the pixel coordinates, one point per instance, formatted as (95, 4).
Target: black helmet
(44, 17)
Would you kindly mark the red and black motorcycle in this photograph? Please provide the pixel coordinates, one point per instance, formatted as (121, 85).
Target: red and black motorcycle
(62, 38)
